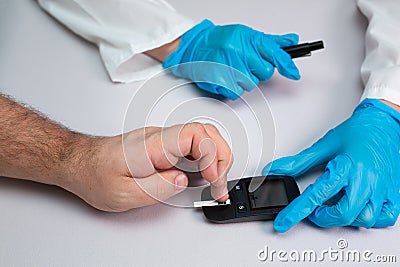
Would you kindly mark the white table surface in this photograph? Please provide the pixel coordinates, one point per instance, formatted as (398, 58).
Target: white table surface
(47, 67)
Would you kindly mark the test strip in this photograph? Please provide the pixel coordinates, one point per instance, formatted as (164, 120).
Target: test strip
(209, 203)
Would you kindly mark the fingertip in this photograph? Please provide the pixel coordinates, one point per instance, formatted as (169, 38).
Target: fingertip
(281, 222)
(220, 194)
(289, 70)
(384, 223)
(229, 93)
(223, 198)
(269, 71)
(267, 169)
(181, 182)
(219, 188)
(295, 75)
(387, 218)
(280, 227)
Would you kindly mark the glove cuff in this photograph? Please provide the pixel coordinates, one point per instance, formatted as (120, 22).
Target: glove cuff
(380, 106)
(176, 56)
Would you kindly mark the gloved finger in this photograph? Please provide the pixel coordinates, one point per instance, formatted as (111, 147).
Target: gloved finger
(325, 187)
(350, 205)
(388, 215)
(240, 73)
(285, 39)
(271, 52)
(285, 65)
(233, 91)
(260, 68)
(223, 79)
(248, 83)
(229, 93)
(320, 152)
(369, 215)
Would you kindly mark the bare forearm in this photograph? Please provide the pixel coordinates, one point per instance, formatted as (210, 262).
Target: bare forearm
(34, 148)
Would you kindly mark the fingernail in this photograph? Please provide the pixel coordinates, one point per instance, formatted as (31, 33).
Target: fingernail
(180, 182)
(225, 197)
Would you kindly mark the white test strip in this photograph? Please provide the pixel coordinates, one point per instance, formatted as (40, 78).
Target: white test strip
(209, 203)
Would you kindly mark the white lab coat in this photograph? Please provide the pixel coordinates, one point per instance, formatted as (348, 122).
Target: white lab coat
(135, 26)
(122, 29)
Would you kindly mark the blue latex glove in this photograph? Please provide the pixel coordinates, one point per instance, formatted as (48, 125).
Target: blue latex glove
(252, 53)
(363, 163)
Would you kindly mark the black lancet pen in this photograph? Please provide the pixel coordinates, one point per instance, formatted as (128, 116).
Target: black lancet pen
(303, 49)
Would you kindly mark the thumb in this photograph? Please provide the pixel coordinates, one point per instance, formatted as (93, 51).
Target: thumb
(162, 185)
(320, 152)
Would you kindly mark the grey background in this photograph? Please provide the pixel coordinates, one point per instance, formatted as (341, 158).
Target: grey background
(46, 66)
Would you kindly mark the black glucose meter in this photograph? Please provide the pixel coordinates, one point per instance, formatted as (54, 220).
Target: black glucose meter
(272, 195)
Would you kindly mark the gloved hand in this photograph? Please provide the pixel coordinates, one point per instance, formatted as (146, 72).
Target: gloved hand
(363, 166)
(252, 53)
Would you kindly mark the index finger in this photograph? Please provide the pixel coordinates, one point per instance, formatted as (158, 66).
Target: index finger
(324, 188)
(224, 159)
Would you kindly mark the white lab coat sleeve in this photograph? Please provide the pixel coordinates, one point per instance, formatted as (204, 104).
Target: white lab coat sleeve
(380, 70)
(122, 30)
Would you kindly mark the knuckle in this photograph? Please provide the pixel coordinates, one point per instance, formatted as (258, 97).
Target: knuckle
(345, 218)
(268, 72)
(366, 218)
(367, 222)
(340, 165)
(197, 127)
(211, 127)
(391, 220)
(150, 131)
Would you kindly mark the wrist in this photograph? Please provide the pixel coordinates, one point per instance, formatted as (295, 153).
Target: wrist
(79, 161)
(390, 104)
(162, 52)
(186, 39)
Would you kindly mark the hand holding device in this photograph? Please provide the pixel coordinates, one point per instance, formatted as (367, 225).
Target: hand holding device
(253, 53)
(137, 169)
(362, 171)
